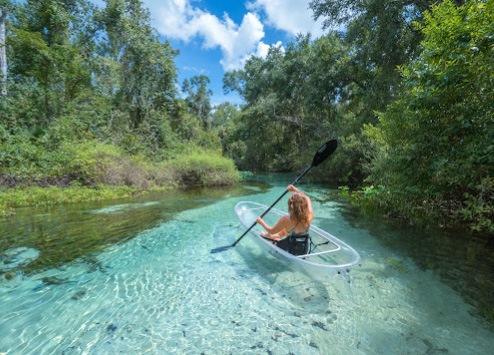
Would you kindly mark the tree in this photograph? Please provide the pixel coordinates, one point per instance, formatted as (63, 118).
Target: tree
(383, 37)
(45, 63)
(146, 69)
(3, 53)
(294, 98)
(198, 97)
(439, 134)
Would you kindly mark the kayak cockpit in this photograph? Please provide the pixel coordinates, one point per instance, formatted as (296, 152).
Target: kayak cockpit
(326, 254)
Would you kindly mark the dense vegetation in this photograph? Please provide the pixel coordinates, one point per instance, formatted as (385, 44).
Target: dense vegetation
(93, 102)
(408, 89)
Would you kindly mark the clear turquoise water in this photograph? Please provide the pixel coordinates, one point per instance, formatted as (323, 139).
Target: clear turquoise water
(158, 290)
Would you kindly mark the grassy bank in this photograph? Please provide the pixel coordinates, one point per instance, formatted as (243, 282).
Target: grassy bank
(93, 171)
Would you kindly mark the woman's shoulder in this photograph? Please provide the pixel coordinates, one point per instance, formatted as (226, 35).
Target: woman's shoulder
(286, 218)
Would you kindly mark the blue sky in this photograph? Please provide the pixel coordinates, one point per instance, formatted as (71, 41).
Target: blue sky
(215, 36)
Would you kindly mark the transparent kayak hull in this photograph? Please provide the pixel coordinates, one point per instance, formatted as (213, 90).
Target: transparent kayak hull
(328, 256)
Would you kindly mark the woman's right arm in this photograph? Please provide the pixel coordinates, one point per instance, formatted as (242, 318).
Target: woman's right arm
(272, 230)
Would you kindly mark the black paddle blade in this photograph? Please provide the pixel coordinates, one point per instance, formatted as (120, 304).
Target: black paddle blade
(325, 151)
(220, 249)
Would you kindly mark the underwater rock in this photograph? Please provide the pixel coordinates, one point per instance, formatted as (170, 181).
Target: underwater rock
(261, 291)
(320, 325)
(54, 280)
(275, 338)
(111, 328)
(78, 294)
(290, 334)
(9, 276)
(258, 345)
(314, 345)
(432, 349)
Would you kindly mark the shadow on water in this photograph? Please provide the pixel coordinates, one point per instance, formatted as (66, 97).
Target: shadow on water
(36, 239)
(306, 295)
(463, 262)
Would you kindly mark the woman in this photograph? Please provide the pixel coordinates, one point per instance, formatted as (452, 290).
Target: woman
(293, 226)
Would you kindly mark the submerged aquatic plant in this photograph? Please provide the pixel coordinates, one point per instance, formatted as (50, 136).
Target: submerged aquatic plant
(395, 264)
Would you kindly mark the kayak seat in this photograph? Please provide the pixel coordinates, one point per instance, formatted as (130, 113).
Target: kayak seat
(296, 244)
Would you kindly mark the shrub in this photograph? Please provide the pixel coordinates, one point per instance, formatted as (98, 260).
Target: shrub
(204, 168)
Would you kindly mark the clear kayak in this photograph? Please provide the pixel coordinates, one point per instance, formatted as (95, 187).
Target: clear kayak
(328, 256)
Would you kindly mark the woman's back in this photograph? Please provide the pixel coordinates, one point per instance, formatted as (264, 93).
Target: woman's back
(294, 226)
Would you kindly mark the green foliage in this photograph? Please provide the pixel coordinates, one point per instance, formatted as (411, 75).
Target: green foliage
(104, 68)
(204, 168)
(94, 171)
(198, 97)
(344, 190)
(92, 102)
(291, 103)
(439, 134)
(228, 126)
(329, 87)
(245, 175)
(144, 65)
(21, 158)
(479, 207)
(37, 196)
(382, 37)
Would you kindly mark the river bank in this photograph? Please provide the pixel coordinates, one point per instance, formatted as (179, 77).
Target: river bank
(94, 176)
(473, 216)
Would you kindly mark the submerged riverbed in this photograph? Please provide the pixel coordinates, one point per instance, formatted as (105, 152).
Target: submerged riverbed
(137, 276)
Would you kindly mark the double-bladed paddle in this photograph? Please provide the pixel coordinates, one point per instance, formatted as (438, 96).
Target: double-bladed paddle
(325, 151)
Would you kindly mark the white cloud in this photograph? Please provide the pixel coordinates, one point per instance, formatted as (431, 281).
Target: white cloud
(179, 19)
(291, 16)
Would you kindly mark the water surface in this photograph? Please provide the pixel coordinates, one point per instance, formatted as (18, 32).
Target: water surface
(137, 277)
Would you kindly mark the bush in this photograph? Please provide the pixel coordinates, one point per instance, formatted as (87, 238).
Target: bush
(204, 168)
(98, 163)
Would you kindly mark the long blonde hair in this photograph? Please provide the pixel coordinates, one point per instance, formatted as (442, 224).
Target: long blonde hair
(299, 208)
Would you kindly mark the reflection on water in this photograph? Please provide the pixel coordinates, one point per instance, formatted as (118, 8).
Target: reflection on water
(61, 234)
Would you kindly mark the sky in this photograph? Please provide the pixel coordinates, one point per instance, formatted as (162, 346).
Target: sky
(216, 36)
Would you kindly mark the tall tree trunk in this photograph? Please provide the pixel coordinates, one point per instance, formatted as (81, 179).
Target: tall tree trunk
(3, 52)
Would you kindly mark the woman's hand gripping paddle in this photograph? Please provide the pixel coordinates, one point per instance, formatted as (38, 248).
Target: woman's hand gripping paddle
(325, 151)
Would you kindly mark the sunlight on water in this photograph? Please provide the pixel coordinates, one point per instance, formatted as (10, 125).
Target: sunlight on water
(124, 207)
(163, 292)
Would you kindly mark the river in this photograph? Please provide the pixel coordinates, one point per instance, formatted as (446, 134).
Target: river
(137, 277)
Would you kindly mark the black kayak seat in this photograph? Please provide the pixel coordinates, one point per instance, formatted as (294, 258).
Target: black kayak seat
(295, 244)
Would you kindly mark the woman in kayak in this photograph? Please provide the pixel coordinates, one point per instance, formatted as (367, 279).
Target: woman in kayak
(293, 227)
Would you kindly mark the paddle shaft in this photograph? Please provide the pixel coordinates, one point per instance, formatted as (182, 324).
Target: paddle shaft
(274, 203)
(324, 151)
